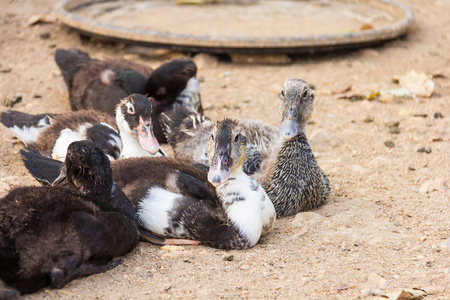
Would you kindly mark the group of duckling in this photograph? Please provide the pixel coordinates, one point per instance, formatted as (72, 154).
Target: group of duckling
(107, 183)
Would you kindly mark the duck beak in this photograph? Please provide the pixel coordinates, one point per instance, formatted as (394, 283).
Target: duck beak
(289, 126)
(220, 170)
(61, 178)
(146, 137)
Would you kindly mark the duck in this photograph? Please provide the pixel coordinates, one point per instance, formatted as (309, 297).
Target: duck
(281, 159)
(100, 84)
(183, 203)
(129, 135)
(52, 235)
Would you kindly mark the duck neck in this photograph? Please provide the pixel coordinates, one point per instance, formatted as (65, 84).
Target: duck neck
(241, 198)
(131, 146)
(300, 140)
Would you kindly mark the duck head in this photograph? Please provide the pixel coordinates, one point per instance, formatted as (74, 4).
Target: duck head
(86, 168)
(296, 100)
(226, 151)
(175, 81)
(133, 116)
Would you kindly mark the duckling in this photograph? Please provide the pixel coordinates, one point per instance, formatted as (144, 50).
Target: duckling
(276, 154)
(50, 236)
(100, 84)
(181, 202)
(296, 182)
(51, 134)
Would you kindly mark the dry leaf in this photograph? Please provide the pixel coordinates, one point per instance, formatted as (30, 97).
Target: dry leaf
(404, 294)
(367, 26)
(342, 91)
(417, 83)
(41, 18)
(438, 74)
(433, 290)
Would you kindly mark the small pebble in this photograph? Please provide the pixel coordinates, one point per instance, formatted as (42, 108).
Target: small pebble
(411, 168)
(393, 124)
(420, 115)
(5, 70)
(45, 35)
(9, 102)
(228, 258)
(389, 144)
(424, 150)
(438, 115)
(394, 129)
(369, 119)
(36, 96)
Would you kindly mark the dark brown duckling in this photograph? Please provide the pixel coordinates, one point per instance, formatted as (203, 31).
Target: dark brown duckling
(50, 236)
(100, 85)
(177, 200)
(130, 135)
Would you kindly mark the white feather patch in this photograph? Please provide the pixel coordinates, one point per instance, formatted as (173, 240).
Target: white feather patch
(66, 137)
(154, 209)
(247, 214)
(29, 135)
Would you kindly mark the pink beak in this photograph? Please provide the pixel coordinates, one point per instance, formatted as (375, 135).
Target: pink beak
(146, 137)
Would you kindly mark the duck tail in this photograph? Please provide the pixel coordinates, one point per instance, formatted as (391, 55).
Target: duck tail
(181, 122)
(43, 169)
(24, 126)
(70, 62)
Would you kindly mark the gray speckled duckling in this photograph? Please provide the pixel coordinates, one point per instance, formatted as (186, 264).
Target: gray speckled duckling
(296, 182)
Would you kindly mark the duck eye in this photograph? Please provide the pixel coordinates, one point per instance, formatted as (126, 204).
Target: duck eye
(130, 109)
(305, 94)
(236, 138)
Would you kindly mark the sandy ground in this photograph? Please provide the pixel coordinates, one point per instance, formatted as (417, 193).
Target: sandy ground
(387, 223)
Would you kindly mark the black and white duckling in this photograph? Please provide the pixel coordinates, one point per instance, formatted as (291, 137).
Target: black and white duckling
(100, 84)
(130, 135)
(281, 159)
(177, 200)
(50, 236)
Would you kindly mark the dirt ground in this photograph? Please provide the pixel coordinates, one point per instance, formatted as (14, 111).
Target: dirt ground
(387, 223)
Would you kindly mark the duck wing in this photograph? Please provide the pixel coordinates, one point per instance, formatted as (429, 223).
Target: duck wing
(43, 169)
(108, 234)
(99, 84)
(26, 127)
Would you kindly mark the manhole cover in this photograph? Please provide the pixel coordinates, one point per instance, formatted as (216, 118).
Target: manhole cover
(264, 26)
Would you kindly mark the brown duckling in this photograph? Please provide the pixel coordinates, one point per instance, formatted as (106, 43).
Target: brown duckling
(100, 84)
(50, 236)
(130, 135)
(280, 159)
(176, 200)
(296, 182)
